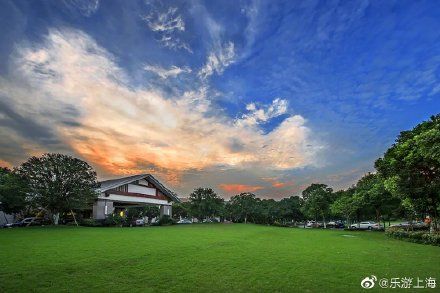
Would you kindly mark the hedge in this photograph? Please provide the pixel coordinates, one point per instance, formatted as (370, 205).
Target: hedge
(423, 237)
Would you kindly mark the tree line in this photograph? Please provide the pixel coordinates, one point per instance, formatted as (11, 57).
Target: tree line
(405, 183)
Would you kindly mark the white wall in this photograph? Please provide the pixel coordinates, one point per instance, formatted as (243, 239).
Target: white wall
(141, 189)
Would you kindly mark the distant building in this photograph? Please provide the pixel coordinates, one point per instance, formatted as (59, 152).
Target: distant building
(138, 190)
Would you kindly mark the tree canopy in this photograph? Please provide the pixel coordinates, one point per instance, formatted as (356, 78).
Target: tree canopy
(411, 166)
(13, 192)
(59, 183)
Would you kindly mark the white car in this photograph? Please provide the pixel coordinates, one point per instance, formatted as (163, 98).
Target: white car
(365, 226)
(140, 222)
(184, 221)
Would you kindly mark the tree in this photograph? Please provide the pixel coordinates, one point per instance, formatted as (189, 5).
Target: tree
(243, 205)
(204, 203)
(317, 199)
(13, 192)
(346, 205)
(59, 183)
(134, 213)
(151, 211)
(411, 167)
(181, 210)
(372, 192)
(290, 208)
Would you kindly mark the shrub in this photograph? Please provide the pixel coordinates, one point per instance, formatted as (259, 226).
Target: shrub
(165, 220)
(114, 220)
(414, 236)
(90, 223)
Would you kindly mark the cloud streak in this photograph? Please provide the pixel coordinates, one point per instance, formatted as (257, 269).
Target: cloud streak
(165, 73)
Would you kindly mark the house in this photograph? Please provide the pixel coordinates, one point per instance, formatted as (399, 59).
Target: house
(139, 190)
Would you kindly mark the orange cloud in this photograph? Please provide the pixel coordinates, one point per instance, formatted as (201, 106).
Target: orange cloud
(5, 164)
(239, 188)
(278, 184)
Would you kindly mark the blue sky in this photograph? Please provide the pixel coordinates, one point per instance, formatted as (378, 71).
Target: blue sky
(263, 96)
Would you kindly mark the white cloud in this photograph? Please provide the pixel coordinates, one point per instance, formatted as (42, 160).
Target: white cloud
(126, 130)
(218, 60)
(164, 22)
(263, 114)
(167, 24)
(164, 73)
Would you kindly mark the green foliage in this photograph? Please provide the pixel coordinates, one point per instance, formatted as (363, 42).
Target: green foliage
(13, 192)
(181, 210)
(134, 213)
(411, 166)
(59, 182)
(90, 223)
(165, 220)
(346, 205)
(317, 200)
(114, 220)
(242, 206)
(372, 194)
(415, 236)
(290, 208)
(205, 203)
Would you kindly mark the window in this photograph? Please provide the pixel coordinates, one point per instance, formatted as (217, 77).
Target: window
(122, 188)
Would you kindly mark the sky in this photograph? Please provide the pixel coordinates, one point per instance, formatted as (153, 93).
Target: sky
(241, 96)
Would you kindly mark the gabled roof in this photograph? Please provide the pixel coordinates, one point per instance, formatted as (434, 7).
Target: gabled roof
(113, 183)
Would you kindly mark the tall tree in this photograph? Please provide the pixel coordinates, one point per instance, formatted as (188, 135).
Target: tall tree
(348, 205)
(181, 210)
(290, 208)
(372, 192)
(244, 205)
(412, 167)
(317, 200)
(13, 192)
(205, 203)
(59, 183)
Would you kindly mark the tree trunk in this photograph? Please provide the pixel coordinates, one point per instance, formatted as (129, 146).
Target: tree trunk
(74, 218)
(323, 220)
(245, 219)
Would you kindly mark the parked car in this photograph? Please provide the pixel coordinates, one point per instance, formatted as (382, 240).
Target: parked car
(313, 224)
(23, 223)
(184, 221)
(365, 226)
(210, 220)
(140, 222)
(336, 224)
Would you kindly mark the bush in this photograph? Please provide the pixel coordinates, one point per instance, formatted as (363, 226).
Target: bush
(414, 236)
(114, 220)
(165, 220)
(90, 223)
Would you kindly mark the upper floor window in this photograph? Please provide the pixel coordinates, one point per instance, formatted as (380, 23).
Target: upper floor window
(122, 188)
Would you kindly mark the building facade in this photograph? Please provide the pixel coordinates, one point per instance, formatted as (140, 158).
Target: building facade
(132, 191)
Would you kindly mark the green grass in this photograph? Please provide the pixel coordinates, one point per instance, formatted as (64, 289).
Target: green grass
(204, 258)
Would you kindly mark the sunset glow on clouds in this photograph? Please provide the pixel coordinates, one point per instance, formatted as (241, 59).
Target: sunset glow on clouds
(125, 130)
(239, 188)
(249, 96)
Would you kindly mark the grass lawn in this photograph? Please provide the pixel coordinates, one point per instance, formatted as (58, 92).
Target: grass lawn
(204, 258)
